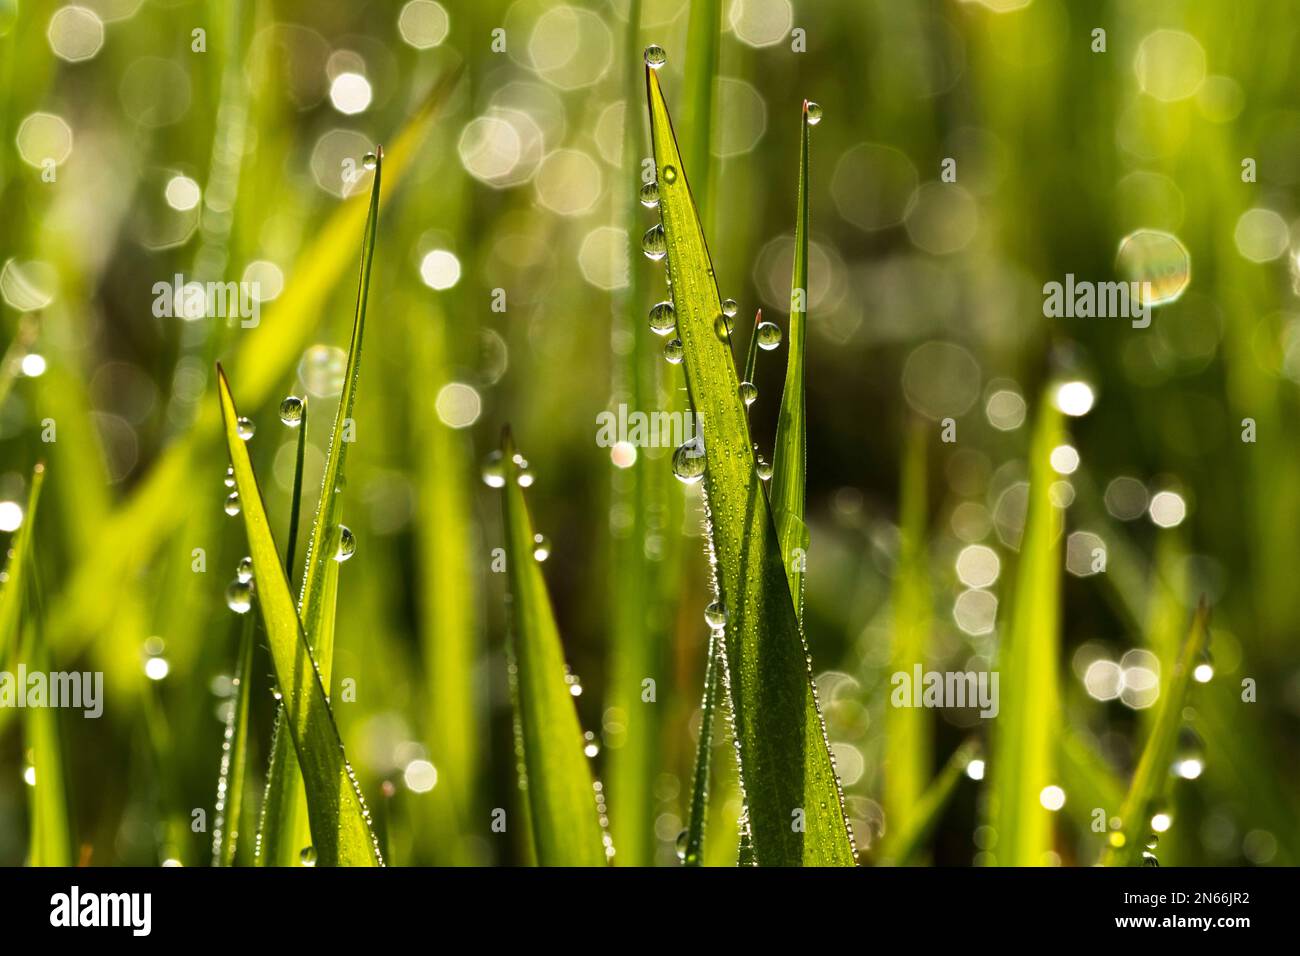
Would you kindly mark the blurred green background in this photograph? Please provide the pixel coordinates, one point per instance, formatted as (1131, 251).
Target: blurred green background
(509, 286)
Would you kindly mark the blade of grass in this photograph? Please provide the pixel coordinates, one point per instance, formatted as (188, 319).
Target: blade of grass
(295, 501)
(703, 38)
(903, 847)
(1152, 774)
(561, 798)
(17, 569)
(339, 820)
(234, 755)
(787, 772)
(283, 826)
(907, 729)
(1021, 763)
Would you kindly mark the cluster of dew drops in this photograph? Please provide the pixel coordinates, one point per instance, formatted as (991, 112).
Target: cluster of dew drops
(239, 594)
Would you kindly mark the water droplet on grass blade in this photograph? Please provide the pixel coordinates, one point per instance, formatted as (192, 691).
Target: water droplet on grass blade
(670, 174)
(347, 544)
(650, 195)
(308, 856)
(232, 504)
(715, 615)
(494, 470)
(1149, 858)
(748, 393)
(683, 840)
(814, 114)
(244, 571)
(654, 244)
(722, 327)
(589, 745)
(541, 547)
(673, 351)
(762, 468)
(229, 480)
(688, 461)
(244, 428)
(663, 318)
(239, 596)
(291, 411)
(769, 335)
(370, 160)
(729, 307)
(655, 56)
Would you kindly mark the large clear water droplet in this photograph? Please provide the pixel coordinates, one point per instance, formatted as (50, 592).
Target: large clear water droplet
(663, 318)
(673, 351)
(232, 504)
(762, 468)
(370, 160)
(655, 56)
(722, 327)
(347, 544)
(688, 461)
(715, 615)
(814, 114)
(769, 335)
(494, 470)
(729, 307)
(650, 195)
(244, 428)
(654, 244)
(291, 411)
(308, 856)
(748, 393)
(239, 596)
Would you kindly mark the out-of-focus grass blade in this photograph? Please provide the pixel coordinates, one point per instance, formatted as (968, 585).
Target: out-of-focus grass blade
(1152, 774)
(703, 37)
(796, 813)
(283, 826)
(790, 456)
(11, 361)
(561, 799)
(16, 571)
(234, 756)
(340, 822)
(1021, 763)
(907, 729)
(903, 846)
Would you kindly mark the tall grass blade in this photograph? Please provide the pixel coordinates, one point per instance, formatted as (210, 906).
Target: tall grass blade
(1022, 759)
(795, 807)
(903, 846)
(16, 571)
(234, 755)
(339, 820)
(1152, 775)
(283, 826)
(295, 500)
(561, 800)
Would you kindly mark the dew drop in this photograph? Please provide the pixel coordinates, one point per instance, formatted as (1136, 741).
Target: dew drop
(722, 327)
(1149, 858)
(523, 475)
(654, 244)
(347, 544)
(589, 745)
(650, 195)
(673, 351)
(541, 547)
(655, 56)
(715, 615)
(663, 318)
(291, 411)
(748, 393)
(244, 572)
(308, 856)
(769, 335)
(229, 480)
(688, 461)
(370, 160)
(814, 114)
(239, 596)
(683, 840)
(762, 468)
(244, 428)
(729, 307)
(232, 504)
(494, 470)
(670, 174)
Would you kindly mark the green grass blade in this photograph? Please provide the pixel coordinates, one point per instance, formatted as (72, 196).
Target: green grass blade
(16, 571)
(903, 846)
(561, 798)
(786, 767)
(907, 729)
(295, 501)
(704, 36)
(692, 854)
(283, 827)
(790, 456)
(1022, 759)
(234, 755)
(340, 823)
(751, 353)
(1152, 774)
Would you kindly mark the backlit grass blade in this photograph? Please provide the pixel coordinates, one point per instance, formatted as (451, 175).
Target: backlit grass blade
(559, 785)
(339, 820)
(234, 756)
(796, 813)
(16, 571)
(283, 826)
(1022, 759)
(907, 729)
(295, 500)
(692, 854)
(1152, 774)
(790, 456)
(703, 38)
(904, 846)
